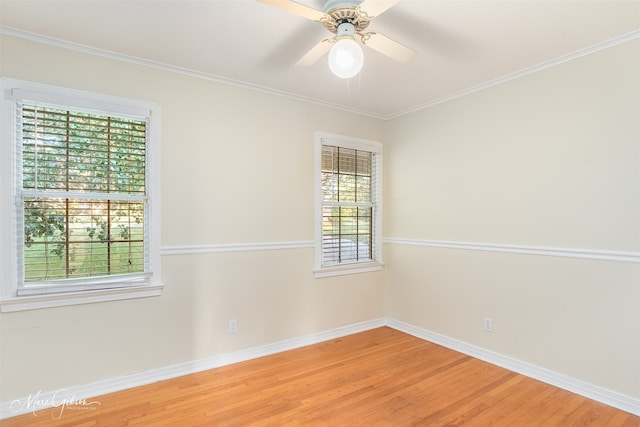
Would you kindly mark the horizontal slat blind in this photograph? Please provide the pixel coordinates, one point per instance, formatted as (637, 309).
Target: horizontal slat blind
(348, 205)
(67, 238)
(83, 199)
(73, 151)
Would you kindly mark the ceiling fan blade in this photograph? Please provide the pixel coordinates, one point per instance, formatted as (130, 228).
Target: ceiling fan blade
(295, 8)
(376, 7)
(388, 47)
(315, 53)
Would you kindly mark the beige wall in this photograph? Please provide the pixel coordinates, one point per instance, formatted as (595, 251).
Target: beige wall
(237, 167)
(548, 160)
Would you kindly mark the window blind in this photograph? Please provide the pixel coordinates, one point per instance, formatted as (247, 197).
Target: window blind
(82, 199)
(348, 205)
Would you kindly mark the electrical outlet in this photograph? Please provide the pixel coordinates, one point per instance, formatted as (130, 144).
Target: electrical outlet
(233, 326)
(488, 324)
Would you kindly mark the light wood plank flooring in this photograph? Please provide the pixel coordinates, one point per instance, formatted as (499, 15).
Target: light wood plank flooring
(381, 377)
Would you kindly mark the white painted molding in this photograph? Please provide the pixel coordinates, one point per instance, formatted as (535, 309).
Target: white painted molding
(205, 76)
(355, 268)
(600, 394)
(522, 73)
(55, 399)
(235, 247)
(42, 400)
(491, 247)
(74, 298)
(64, 44)
(527, 250)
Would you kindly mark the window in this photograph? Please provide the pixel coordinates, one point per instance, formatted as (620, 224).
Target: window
(348, 211)
(85, 191)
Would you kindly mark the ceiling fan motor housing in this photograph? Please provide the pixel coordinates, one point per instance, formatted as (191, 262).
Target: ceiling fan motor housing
(344, 11)
(340, 4)
(346, 29)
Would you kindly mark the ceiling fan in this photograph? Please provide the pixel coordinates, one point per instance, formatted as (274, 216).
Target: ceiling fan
(346, 19)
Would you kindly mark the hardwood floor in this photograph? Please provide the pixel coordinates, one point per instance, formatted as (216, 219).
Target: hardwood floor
(381, 377)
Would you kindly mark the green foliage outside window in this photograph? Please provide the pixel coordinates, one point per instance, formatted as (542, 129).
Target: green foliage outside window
(83, 193)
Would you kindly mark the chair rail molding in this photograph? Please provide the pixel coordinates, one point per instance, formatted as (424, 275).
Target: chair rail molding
(235, 247)
(521, 249)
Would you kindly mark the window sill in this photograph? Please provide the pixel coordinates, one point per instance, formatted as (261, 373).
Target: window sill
(75, 298)
(340, 270)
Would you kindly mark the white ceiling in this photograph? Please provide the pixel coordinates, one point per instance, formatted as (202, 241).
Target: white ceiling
(461, 44)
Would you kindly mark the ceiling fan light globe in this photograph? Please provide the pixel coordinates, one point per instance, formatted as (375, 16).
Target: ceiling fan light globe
(346, 58)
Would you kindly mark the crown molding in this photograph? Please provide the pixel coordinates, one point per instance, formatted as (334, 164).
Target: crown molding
(634, 35)
(90, 50)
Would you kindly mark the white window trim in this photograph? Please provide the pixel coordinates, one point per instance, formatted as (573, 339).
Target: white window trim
(11, 89)
(321, 139)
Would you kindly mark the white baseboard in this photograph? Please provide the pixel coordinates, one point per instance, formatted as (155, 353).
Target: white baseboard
(600, 394)
(75, 395)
